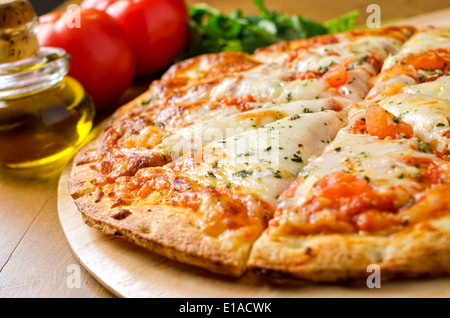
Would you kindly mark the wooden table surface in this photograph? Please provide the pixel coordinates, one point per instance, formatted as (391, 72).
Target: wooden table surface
(35, 258)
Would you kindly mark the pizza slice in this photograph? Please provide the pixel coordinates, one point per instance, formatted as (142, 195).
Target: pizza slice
(346, 61)
(373, 197)
(425, 57)
(427, 114)
(265, 83)
(203, 132)
(209, 206)
(284, 51)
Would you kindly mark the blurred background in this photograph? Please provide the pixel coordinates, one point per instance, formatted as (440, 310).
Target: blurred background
(44, 6)
(320, 10)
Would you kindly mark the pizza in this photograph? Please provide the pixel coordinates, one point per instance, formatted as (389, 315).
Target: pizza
(307, 160)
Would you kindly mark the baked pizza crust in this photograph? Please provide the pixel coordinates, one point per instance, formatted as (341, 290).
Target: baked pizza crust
(173, 232)
(168, 231)
(422, 250)
(162, 229)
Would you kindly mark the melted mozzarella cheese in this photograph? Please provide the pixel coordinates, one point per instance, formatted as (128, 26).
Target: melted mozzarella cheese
(431, 39)
(379, 161)
(269, 82)
(428, 116)
(379, 87)
(357, 86)
(317, 58)
(439, 88)
(264, 161)
(420, 42)
(389, 63)
(427, 40)
(360, 71)
(221, 127)
(190, 116)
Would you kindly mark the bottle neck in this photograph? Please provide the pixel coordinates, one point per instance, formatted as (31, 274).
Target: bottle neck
(19, 42)
(36, 73)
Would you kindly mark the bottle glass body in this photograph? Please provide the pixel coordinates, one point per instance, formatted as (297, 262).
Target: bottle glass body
(44, 114)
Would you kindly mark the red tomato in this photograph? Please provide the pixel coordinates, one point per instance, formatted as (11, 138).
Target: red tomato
(381, 123)
(290, 192)
(350, 194)
(337, 75)
(102, 59)
(157, 29)
(392, 90)
(427, 61)
(340, 185)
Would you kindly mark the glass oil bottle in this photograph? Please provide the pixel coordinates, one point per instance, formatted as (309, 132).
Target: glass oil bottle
(45, 115)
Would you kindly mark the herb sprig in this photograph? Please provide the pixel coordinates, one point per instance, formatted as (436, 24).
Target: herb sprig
(212, 31)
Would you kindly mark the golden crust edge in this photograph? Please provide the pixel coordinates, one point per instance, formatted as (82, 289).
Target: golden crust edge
(80, 175)
(422, 250)
(167, 231)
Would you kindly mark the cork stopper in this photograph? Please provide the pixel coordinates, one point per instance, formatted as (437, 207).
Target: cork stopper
(18, 24)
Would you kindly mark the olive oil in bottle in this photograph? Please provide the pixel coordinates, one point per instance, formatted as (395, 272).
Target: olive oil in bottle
(45, 115)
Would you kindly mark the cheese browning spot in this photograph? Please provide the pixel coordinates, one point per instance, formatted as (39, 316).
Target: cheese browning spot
(120, 214)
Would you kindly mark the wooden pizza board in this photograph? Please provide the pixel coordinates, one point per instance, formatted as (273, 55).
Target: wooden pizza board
(130, 271)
